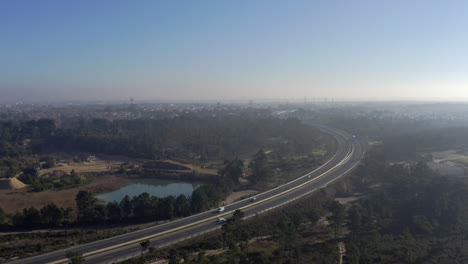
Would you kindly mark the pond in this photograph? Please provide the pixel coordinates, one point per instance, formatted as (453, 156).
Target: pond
(156, 187)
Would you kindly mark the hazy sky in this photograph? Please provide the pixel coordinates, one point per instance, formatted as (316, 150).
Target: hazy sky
(111, 50)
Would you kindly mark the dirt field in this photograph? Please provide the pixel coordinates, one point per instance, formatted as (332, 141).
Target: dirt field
(95, 166)
(346, 200)
(196, 168)
(12, 201)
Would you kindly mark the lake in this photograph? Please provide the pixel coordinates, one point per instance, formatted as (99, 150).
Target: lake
(156, 187)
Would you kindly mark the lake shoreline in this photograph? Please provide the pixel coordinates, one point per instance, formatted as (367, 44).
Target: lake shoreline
(154, 187)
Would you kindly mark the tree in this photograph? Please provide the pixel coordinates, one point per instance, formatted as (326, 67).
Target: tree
(3, 217)
(49, 162)
(237, 215)
(75, 257)
(143, 206)
(168, 206)
(355, 217)
(144, 245)
(46, 127)
(52, 216)
(199, 200)
(232, 229)
(32, 218)
(182, 206)
(114, 211)
(173, 257)
(86, 203)
(126, 206)
(336, 217)
(68, 216)
(259, 169)
(232, 169)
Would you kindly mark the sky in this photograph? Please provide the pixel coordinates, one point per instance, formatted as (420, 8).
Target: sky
(230, 50)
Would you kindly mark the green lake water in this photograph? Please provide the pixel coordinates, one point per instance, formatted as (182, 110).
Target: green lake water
(156, 187)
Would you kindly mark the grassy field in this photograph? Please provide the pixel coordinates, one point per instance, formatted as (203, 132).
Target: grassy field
(455, 156)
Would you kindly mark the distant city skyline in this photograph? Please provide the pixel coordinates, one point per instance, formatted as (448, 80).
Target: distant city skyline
(107, 50)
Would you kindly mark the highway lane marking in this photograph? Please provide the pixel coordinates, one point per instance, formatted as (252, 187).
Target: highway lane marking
(207, 219)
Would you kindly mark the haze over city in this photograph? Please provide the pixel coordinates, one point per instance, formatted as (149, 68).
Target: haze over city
(233, 50)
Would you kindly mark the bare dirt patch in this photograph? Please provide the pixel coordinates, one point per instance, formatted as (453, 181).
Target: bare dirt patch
(11, 184)
(13, 201)
(80, 167)
(235, 196)
(346, 200)
(194, 167)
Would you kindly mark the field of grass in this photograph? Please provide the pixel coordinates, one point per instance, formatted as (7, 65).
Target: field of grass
(79, 167)
(454, 156)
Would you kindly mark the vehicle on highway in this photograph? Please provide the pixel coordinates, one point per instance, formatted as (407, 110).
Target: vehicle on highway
(221, 220)
(220, 209)
(253, 199)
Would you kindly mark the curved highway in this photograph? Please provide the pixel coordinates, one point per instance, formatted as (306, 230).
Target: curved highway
(348, 155)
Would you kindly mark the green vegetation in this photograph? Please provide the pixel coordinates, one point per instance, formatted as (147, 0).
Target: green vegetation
(415, 216)
(75, 258)
(23, 244)
(39, 184)
(186, 137)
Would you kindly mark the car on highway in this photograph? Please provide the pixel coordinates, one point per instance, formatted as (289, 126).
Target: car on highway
(253, 199)
(220, 219)
(220, 209)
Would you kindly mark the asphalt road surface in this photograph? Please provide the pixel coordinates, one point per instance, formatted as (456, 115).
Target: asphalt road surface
(349, 153)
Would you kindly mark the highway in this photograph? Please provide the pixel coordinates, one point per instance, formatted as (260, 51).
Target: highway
(349, 152)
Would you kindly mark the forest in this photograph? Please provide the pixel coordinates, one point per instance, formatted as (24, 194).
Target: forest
(413, 216)
(186, 137)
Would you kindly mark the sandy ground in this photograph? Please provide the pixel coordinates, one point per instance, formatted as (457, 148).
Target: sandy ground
(96, 166)
(237, 195)
(194, 167)
(12, 201)
(347, 200)
(11, 184)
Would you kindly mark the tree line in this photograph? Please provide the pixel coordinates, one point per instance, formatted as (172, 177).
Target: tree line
(188, 136)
